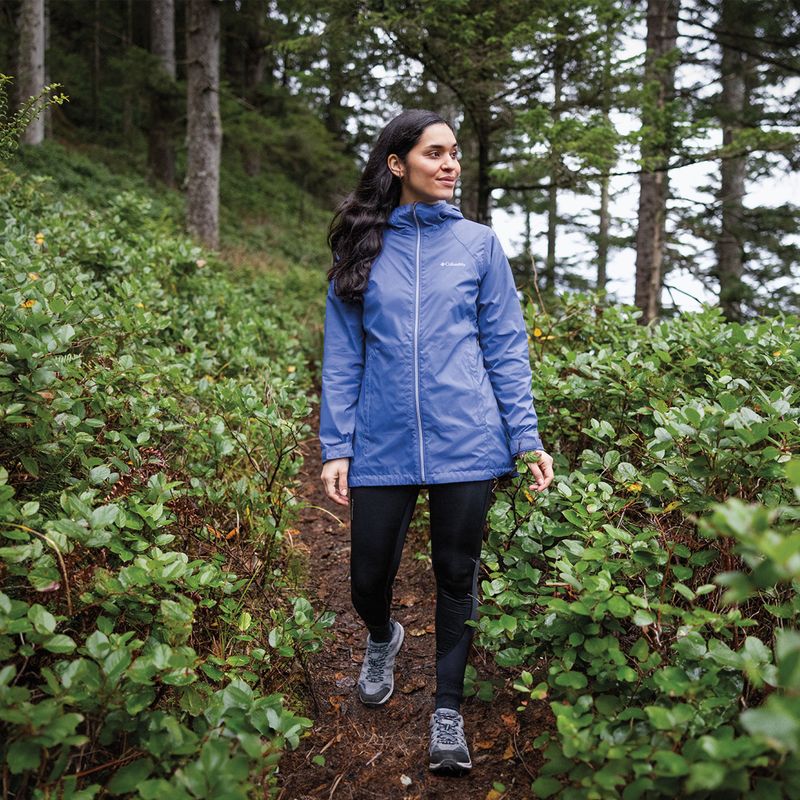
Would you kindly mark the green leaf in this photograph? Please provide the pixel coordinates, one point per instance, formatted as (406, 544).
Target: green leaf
(103, 516)
(575, 680)
(22, 756)
(127, 778)
(43, 621)
(618, 606)
(669, 763)
(59, 643)
(642, 618)
(545, 786)
(706, 775)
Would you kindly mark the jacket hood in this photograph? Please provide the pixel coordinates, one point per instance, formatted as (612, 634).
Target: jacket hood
(426, 214)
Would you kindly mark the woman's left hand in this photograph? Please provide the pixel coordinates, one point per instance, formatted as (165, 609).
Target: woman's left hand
(542, 469)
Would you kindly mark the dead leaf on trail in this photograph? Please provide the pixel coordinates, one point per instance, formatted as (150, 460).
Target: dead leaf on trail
(408, 601)
(493, 795)
(511, 722)
(417, 632)
(336, 702)
(508, 752)
(484, 744)
(431, 627)
(413, 685)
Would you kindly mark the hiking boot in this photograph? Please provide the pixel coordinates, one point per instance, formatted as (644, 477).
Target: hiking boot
(448, 749)
(376, 683)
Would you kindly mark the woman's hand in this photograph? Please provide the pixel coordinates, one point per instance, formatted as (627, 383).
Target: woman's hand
(334, 480)
(542, 469)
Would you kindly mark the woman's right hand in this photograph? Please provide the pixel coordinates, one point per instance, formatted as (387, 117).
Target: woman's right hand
(334, 480)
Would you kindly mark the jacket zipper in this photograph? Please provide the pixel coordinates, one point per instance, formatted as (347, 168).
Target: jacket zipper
(416, 355)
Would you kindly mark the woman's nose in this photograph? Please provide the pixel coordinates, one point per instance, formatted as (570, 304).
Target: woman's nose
(451, 163)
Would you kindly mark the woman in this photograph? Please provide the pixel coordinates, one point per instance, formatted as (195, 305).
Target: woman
(426, 381)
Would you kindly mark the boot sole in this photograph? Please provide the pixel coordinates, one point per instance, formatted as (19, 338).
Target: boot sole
(450, 766)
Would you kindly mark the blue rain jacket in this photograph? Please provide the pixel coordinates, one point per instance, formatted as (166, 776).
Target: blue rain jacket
(429, 380)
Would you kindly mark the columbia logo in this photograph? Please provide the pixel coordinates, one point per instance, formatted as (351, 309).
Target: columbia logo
(452, 264)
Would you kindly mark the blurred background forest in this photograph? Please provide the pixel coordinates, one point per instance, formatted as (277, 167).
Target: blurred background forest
(659, 136)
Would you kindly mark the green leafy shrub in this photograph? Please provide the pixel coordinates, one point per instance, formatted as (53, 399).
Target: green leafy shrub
(608, 592)
(152, 407)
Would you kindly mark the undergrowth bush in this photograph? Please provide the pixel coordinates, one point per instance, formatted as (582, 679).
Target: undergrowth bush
(151, 412)
(650, 596)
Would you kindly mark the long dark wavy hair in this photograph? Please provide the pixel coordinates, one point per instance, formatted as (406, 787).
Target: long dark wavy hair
(355, 235)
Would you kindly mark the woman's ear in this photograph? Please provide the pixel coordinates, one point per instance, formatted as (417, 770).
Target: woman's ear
(395, 165)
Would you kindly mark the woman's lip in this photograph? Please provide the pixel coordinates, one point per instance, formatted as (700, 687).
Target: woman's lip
(447, 180)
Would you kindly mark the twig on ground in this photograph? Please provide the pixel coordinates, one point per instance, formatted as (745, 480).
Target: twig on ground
(335, 784)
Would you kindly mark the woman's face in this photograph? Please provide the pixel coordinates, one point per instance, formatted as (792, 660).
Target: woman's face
(431, 168)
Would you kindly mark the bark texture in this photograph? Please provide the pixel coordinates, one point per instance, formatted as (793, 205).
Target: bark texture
(662, 33)
(160, 147)
(31, 62)
(204, 125)
(733, 171)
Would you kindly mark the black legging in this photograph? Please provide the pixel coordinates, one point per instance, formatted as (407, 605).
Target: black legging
(380, 516)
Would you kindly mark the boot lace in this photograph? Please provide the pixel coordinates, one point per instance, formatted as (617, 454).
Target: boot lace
(376, 660)
(448, 730)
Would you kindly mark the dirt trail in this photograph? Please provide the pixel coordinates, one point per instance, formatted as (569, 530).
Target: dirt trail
(382, 752)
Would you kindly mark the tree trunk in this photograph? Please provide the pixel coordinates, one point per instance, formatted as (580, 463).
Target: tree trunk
(31, 62)
(733, 171)
(160, 149)
(95, 97)
(548, 277)
(602, 234)
(662, 33)
(468, 144)
(335, 110)
(484, 187)
(604, 214)
(204, 126)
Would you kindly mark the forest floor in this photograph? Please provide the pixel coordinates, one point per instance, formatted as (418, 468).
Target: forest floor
(383, 752)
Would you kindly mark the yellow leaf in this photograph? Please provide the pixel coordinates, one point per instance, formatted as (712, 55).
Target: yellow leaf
(27, 304)
(537, 332)
(635, 487)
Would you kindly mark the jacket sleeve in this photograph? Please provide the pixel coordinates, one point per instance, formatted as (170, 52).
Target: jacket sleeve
(504, 342)
(342, 370)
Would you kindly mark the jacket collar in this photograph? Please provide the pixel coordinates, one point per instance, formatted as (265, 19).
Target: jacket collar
(426, 214)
